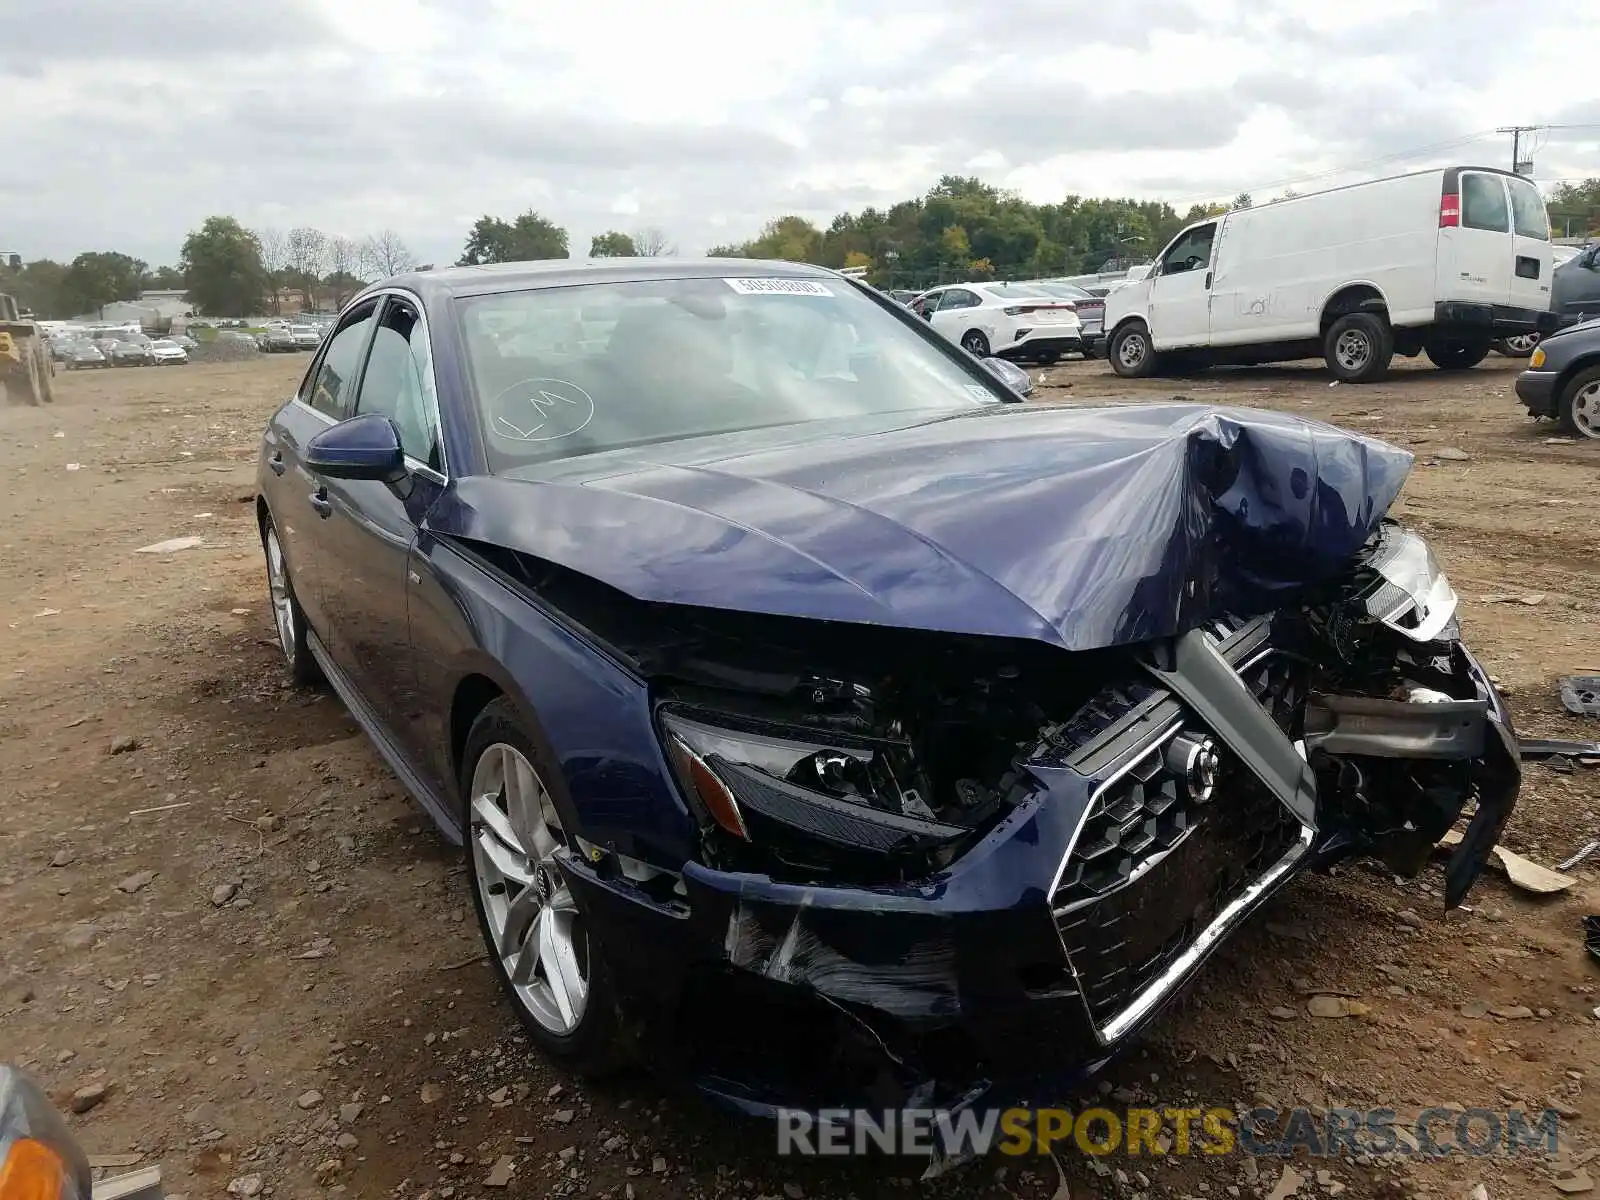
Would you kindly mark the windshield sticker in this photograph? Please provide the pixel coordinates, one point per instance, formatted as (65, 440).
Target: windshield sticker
(548, 409)
(778, 287)
(978, 392)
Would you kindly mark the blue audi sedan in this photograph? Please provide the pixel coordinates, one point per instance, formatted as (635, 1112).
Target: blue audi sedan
(818, 721)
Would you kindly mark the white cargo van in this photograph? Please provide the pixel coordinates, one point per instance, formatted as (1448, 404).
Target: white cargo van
(1440, 262)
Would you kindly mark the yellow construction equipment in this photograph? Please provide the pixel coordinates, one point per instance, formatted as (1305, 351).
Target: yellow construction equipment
(25, 363)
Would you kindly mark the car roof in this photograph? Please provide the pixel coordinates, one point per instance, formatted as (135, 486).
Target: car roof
(566, 272)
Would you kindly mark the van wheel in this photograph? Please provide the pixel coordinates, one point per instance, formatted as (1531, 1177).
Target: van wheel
(1358, 347)
(1455, 355)
(1579, 411)
(1131, 353)
(1518, 345)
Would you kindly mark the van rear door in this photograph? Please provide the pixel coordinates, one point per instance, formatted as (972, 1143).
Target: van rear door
(1475, 245)
(1532, 266)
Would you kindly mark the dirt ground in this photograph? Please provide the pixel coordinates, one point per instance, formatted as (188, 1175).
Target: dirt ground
(219, 907)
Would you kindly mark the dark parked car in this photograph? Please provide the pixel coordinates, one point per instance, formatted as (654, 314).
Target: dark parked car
(817, 722)
(1563, 380)
(82, 354)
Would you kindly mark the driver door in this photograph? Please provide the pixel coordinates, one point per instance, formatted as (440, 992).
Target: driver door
(1180, 294)
(368, 537)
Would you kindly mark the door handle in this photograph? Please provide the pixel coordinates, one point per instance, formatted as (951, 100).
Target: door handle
(1208, 281)
(276, 462)
(320, 502)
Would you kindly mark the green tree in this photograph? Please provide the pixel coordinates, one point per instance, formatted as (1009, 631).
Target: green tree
(528, 237)
(612, 244)
(163, 278)
(954, 244)
(97, 277)
(40, 288)
(1242, 200)
(222, 268)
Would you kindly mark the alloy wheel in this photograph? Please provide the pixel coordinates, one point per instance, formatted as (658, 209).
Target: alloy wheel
(533, 919)
(1586, 410)
(282, 599)
(1522, 343)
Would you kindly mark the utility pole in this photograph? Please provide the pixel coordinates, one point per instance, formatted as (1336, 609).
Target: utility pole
(1516, 132)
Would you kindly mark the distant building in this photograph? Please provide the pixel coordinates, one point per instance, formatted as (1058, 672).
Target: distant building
(152, 308)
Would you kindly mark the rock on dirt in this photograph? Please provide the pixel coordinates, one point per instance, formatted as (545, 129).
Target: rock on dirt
(224, 892)
(80, 936)
(246, 1186)
(499, 1175)
(309, 1100)
(90, 1095)
(137, 882)
(125, 744)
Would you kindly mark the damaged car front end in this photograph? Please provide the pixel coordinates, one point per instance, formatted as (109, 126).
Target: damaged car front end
(943, 869)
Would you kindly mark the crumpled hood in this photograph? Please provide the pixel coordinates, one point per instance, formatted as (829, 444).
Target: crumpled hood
(1080, 527)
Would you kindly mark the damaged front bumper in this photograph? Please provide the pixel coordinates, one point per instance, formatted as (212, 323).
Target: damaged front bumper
(1144, 831)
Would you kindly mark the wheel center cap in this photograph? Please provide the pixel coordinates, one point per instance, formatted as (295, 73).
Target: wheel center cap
(543, 885)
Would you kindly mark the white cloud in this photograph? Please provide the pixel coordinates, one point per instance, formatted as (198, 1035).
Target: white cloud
(705, 118)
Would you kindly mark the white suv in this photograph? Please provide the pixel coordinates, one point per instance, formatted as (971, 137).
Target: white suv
(1008, 320)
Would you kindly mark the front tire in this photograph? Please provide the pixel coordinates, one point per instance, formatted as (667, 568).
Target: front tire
(1358, 348)
(546, 957)
(1457, 355)
(1131, 352)
(975, 343)
(287, 614)
(1579, 409)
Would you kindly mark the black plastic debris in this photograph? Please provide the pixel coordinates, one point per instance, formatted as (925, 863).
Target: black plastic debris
(1591, 935)
(1580, 694)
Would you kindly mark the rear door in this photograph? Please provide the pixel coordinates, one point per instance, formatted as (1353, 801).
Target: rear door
(1532, 266)
(1476, 253)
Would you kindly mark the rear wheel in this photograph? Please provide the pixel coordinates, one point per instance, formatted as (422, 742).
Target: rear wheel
(1517, 346)
(287, 614)
(1456, 354)
(975, 343)
(1358, 347)
(1579, 410)
(1131, 353)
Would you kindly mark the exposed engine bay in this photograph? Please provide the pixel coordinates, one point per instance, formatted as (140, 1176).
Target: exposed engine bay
(835, 752)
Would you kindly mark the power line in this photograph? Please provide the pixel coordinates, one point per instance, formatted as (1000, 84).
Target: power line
(1516, 132)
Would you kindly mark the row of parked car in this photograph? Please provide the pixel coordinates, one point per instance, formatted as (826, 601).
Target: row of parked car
(305, 332)
(87, 348)
(1034, 320)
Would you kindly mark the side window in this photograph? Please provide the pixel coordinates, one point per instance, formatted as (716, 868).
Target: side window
(1483, 202)
(1190, 252)
(399, 381)
(331, 386)
(1527, 211)
(958, 298)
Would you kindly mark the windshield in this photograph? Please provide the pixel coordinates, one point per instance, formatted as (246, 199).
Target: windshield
(573, 370)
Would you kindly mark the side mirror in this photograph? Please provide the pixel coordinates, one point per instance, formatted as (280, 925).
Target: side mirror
(1008, 373)
(364, 447)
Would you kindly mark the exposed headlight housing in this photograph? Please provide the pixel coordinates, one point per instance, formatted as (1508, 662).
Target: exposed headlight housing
(1537, 359)
(1410, 594)
(766, 786)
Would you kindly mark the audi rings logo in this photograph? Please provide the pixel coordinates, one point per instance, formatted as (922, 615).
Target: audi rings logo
(1193, 758)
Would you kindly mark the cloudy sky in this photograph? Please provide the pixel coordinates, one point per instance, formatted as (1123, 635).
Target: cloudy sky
(132, 120)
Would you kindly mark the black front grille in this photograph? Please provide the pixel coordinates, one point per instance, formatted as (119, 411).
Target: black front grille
(1279, 683)
(1152, 869)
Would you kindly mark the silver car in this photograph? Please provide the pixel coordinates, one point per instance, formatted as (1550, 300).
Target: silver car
(306, 337)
